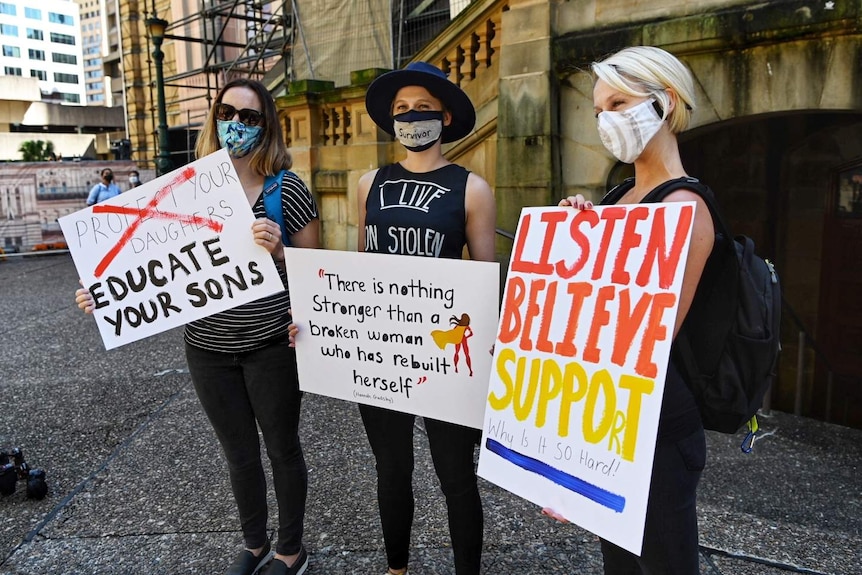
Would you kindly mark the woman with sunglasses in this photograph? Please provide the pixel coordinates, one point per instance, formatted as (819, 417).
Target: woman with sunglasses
(241, 367)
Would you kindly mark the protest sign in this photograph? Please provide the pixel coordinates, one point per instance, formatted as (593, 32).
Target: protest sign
(176, 249)
(410, 334)
(578, 372)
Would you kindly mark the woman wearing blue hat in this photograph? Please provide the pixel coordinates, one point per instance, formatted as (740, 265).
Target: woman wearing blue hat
(422, 109)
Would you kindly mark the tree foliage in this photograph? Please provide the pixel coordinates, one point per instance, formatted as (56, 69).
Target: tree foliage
(36, 150)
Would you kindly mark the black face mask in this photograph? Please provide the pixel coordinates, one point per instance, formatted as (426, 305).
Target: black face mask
(109, 177)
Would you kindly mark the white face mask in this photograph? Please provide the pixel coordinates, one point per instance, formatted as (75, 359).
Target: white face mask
(418, 131)
(625, 134)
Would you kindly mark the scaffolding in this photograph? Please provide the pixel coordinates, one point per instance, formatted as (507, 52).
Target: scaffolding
(254, 53)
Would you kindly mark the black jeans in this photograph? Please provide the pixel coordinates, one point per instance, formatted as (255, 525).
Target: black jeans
(452, 447)
(238, 392)
(670, 545)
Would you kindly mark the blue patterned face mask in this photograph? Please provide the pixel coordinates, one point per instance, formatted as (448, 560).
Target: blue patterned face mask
(238, 138)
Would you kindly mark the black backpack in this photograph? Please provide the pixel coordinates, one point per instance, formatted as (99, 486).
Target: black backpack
(727, 348)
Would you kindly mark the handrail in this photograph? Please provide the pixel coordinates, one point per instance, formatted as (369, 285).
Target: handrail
(805, 338)
(820, 354)
(505, 233)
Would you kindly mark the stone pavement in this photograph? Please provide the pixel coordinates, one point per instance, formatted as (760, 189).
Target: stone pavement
(137, 484)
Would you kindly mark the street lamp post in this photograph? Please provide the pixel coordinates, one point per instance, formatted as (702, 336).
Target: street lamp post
(156, 27)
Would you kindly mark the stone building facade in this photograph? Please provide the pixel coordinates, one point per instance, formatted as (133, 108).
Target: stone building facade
(777, 133)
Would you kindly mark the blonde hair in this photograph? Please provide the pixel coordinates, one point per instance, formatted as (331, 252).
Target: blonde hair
(270, 155)
(646, 71)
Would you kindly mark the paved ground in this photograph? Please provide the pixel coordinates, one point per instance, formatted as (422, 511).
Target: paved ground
(138, 486)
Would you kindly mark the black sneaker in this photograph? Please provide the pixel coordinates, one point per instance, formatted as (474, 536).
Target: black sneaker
(279, 567)
(247, 564)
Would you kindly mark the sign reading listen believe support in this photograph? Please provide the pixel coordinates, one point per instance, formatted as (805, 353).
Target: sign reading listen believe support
(174, 250)
(411, 334)
(580, 360)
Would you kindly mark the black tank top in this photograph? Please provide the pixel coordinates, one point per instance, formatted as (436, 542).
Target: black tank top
(417, 214)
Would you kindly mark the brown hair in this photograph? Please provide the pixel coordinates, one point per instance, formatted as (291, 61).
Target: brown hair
(270, 155)
(464, 321)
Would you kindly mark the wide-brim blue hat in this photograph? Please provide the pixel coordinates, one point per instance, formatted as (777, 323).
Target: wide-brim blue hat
(382, 91)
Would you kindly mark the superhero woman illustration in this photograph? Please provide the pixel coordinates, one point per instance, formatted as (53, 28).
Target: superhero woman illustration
(458, 336)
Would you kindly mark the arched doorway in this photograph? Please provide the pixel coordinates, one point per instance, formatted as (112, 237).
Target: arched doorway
(787, 181)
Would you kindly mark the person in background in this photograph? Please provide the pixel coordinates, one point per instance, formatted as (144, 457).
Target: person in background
(423, 110)
(134, 179)
(644, 97)
(105, 189)
(240, 361)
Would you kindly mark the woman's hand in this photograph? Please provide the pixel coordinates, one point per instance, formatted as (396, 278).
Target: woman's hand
(548, 512)
(84, 299)
(578, 202)
(292, 330)
(268, 234)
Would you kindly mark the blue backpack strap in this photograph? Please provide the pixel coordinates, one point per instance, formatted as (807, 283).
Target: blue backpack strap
(272, 202)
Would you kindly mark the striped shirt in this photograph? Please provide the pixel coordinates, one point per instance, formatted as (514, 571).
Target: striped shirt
(255, 324)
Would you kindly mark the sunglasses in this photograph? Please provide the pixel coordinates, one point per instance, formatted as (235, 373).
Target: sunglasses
(247, 116)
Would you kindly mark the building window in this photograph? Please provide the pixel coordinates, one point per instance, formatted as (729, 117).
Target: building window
(34, 34)
(60, 19)
(64, 58)
(41, 74)
(33, 13)
(12, 51)
(8, 30)
(96, 98)
(36, 54)
(6, 8)
(62, 39)
(65, 78)
(12, 71)
(71, 98)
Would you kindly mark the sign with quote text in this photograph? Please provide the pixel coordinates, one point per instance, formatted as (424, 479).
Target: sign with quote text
(579, 364)
(411, 334)
(171, 251)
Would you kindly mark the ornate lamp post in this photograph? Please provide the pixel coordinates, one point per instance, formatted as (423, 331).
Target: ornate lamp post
(156, 27)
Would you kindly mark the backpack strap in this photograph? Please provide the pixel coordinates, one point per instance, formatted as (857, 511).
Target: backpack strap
(688, 183)
(617, 192)
(272, 202)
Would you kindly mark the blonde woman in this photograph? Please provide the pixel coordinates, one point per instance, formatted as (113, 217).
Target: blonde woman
(643, 98)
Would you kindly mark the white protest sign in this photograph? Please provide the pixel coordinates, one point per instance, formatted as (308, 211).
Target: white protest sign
(410, 334)
(176, 249)
(579, 364)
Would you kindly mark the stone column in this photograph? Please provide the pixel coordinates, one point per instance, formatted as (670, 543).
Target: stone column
(527, 127)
